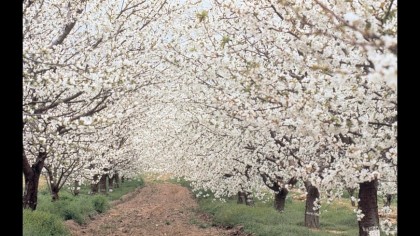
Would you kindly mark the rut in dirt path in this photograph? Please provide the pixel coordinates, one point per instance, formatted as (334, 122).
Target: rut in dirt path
(157, 209)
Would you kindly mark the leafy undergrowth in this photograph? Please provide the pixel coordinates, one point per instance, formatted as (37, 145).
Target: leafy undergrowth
(42, 223)
(49, 216)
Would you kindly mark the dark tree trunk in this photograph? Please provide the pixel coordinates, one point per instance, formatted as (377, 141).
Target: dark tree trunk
(388, 200)
(32, 174)
(54, 192)
(351, 193)
(311, 215)
(249, 199)
(52, 184)
(280, 199)
(94, 186)
(102, 184)
(116, 180)
(30, 196)
(111, 183)
(241, 197)
(76, 190)
(280, 193)
(292, 181)
(245, 198)
(369, 224)
(122, 179)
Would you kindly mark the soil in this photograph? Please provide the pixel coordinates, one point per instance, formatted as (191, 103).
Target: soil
(157, 209)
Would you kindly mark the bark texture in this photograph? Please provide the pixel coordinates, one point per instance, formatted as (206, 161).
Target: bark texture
(32, 174)
(369, 224)
(311, 212)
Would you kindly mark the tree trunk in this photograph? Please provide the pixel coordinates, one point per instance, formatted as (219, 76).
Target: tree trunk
(111, 183)
(311, 215)
(388, 200)
(249, 199)
(280, 199)
(241, 197)
(102, 184)
(369, 224)
(122, 179)
(30, 196)
(94, 186)
(32, 174)
(351, 193)
(116, 180)
(54, 192)
(76, 190)
(245, 198)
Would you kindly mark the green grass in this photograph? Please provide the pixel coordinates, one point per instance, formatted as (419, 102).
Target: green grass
(37, 223)
(264, 220)
(181, 181)
(127, 187)
(79, 208)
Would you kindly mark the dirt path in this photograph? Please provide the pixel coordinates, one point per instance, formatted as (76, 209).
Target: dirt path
(156, 209)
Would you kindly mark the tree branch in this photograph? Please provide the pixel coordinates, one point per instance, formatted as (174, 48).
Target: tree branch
(52, 105)
(275, 10)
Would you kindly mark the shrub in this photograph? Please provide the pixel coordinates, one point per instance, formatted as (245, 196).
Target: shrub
(69, 207)
(37, 223)
(49, 216)
(100, 203)
(76, 210)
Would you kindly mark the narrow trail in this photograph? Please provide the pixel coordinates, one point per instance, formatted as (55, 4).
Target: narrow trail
(156, 209)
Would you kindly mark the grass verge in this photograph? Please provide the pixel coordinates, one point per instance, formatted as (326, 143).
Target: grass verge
(264, 220)
(49, 216)
(42, 223)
